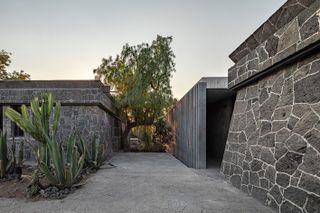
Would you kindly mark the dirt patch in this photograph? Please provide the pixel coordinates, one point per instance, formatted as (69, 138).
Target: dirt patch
(15, 188)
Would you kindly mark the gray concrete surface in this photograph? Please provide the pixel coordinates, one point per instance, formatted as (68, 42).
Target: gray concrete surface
(147, 182)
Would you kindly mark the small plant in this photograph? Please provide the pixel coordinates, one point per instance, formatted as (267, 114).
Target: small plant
(7, 156)
(94, 155)
(65, 170)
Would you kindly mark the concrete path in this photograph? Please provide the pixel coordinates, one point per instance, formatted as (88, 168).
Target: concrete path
(147, 182)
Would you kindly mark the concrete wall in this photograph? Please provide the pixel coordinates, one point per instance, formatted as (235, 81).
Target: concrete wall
(188, 121)
(86, 108)
(272, 151)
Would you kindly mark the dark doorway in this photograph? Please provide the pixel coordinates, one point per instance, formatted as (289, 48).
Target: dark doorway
(219, 111)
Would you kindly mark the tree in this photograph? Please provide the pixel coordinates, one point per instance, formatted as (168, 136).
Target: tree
(6, 75)
(140, 78)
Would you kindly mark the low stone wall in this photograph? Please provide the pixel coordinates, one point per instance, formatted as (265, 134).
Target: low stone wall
(86, 108)
(273, 146)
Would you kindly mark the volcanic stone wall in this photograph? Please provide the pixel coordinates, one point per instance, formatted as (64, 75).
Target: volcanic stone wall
(273, 146)
(86, 108)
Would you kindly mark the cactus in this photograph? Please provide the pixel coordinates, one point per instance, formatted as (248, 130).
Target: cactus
(7, 156)
(65, 171)
(37, 124)
(20, 154)
(95, 155)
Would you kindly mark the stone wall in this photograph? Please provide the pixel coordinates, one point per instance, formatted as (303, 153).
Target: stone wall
(86, 109)
(273, 146)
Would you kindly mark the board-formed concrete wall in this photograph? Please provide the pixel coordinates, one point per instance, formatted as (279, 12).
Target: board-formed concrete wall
(188, 121)
(273, 146)
(86, 108)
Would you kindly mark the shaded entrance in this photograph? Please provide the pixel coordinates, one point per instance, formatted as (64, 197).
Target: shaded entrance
(219, 107)
(200, 123)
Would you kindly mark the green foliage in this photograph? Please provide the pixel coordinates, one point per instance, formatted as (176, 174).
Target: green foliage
(140, 76)
(95, 155)
(37, 124)
(6, 75)
(163, 133)
(7, 156)
(65, 170)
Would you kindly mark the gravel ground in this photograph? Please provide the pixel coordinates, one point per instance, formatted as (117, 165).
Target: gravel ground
(147, 182)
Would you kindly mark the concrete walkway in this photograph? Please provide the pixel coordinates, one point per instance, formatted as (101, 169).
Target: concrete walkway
(147, 182)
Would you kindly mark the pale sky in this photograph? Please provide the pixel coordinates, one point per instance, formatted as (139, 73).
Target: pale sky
(67, 39)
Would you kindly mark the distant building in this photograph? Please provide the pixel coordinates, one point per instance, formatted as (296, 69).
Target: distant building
(86, 107)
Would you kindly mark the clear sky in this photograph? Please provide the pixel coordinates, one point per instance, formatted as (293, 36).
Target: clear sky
(67, 39)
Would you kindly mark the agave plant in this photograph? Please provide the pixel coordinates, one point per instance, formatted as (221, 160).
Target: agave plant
(37, 124)
(7, 156)
(94, 156)
(67, 164)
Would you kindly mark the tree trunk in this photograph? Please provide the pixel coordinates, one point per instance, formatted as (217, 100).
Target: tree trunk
(125, 140)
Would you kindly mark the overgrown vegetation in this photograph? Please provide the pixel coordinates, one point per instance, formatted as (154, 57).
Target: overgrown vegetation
(140, 78)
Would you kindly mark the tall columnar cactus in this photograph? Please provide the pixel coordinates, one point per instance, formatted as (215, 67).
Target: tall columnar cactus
(7, 157)
(37, 124)
(65, 170)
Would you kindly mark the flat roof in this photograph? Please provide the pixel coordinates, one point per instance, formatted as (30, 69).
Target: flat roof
(44, 84)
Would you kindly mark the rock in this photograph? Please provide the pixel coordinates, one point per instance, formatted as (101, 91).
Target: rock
(310, 183)
(264, 95)
(311, 164)
(270, 174)
(260, 194)
(276, 194)
(277, 86)
(265, 127)
(267, 108)
(240, 107)
(252, 92)
(254, 178)
(282, 113)
(242, 138)
(283, 179)
(287, 93)
(310, 27)
(245, 178)
(296, 144)
(277, 125)
(313, 203)
(289, 37)
(255, 151)
(292, 122)
(313, 138)
(267, 140)
(267, 155)
(288, 207)
(280, 150)
(310, 93)
(236, 181)
(272, 45)
(300, 109)
(295, 195)
(264, 183)
(282, 135)
(256, 165)
(306, 123)
(251, 124)
(289, 163)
